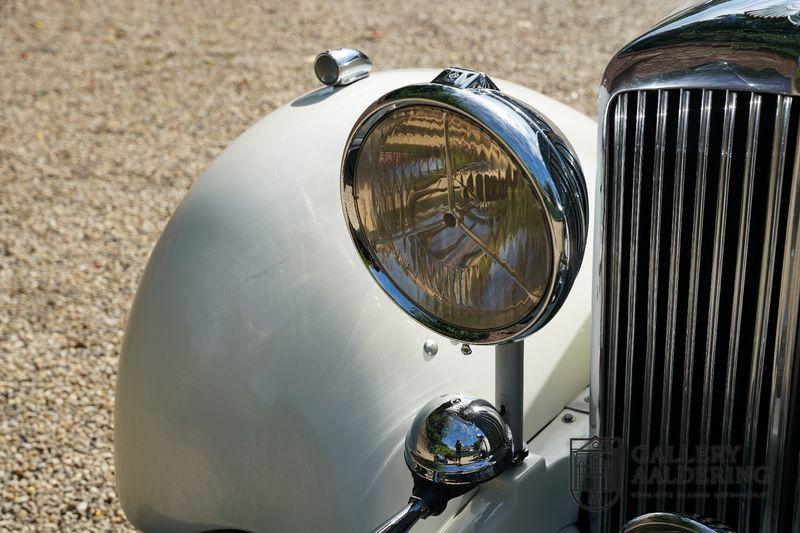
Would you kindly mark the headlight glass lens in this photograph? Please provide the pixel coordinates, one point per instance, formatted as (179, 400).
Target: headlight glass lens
(451, 219)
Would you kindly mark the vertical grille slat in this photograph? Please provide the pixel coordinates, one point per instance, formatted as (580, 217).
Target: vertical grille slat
(764, 301)
(701, 302)
(615, 260)
(746, 208)
(721, 213)
(633, 251)
(619, 136)
(785, 350)
(672, 289)
(653, 262)
(694, 277)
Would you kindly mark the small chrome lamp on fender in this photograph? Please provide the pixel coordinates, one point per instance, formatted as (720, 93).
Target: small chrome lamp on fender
(341, 66)
(470, 210)
(454, 443)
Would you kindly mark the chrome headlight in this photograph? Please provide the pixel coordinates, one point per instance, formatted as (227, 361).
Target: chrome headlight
(467, 206)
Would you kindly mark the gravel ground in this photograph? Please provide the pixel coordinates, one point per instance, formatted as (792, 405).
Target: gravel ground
(110, 109)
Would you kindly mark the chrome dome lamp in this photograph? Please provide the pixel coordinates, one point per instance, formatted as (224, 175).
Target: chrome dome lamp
(454, 444)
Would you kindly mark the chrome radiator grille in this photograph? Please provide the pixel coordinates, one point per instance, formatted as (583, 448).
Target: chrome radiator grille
(700, 288)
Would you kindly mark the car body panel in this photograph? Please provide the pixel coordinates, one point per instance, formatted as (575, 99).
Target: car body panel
(535, 492)
(266, 382)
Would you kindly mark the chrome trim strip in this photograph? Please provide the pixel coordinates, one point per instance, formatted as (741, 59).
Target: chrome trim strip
(765, 293)
(598, 403)
(633, 250)
(655, 245)
(674, 274)
(728, 125)
(694, 278)
(785, 351)
(721, 44)
(620, 136)
(598, 360)
(745, 211)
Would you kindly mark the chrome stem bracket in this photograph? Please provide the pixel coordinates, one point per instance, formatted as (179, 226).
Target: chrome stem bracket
(509, 386)
(405, 518)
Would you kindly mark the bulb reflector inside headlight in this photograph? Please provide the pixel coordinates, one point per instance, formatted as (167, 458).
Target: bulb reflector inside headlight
(452, 220)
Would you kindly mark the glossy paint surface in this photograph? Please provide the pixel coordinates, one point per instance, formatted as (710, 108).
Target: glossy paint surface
(266, 382)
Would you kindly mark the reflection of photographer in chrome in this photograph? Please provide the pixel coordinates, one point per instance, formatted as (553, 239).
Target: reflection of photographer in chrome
(480, 448)
(458, 452)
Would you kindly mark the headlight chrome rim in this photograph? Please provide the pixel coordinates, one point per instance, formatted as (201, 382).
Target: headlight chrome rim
(540, 151)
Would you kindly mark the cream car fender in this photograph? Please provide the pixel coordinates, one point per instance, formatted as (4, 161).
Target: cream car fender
(263, 373)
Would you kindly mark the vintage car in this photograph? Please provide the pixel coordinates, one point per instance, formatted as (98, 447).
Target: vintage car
(445, 294)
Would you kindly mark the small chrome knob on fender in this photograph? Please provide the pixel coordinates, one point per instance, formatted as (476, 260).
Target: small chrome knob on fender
(454, 444)
(341, 66)
(458, 440)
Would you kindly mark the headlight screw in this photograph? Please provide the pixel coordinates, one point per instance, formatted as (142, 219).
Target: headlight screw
(430, 348)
